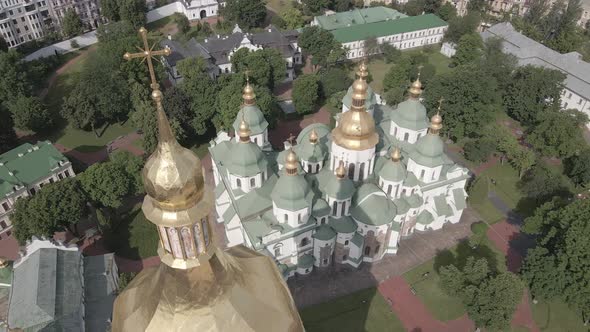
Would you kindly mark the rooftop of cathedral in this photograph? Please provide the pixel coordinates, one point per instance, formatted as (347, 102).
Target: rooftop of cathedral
(27, 164)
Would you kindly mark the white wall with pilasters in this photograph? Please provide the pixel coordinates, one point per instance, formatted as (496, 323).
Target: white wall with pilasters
(292, 218)
(406, 135)
(424, 173)
(359, 164)
(311, 167)
(317, 245)
(393, 189)
(339, 207)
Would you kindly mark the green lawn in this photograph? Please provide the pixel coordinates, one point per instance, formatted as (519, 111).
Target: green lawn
(134, 237)
(556, 316)
(364, 310)
(478, 199)
(279, 6)
(160, 24)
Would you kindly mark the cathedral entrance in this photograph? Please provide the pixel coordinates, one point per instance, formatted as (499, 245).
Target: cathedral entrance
(203, 14)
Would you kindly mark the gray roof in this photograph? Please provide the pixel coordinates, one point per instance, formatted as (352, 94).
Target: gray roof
(100, 290)
(218, 48)
(47, 292)
(530, 52)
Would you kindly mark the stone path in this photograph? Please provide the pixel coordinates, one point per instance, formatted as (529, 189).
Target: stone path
(413, 313)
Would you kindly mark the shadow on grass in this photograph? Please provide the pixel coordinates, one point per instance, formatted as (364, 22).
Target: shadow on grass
(88, 148)
(463, 251)
(134, 237)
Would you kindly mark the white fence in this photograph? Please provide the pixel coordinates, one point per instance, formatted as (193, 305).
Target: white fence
(164, 11)
(65, 46)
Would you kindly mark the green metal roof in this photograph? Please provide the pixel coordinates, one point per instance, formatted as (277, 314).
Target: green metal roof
(442, 207)
(414, 200)
(253, 117)
(387, 28)
(429, 151)
(424, 218)
(358, 240)
(339, 188)
(246, 159)
(324, 233)
(402, 205)
(357, 16)
(394, 171)
(311, 152)
(459, 197)
(372, 207)
(320, 208)
(292, 192)
(321, 130)
(411, 180)
(343, 224)
(305, 261)
(410, 114)
(27, 164)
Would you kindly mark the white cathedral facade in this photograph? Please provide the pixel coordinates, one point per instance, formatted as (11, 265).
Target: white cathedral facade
(341, 196)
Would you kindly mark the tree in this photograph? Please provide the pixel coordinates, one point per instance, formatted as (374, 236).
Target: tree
(468, 50)
(342, 5)
(229, 101)
(133, 166)
(490, 299)
(316, 6)
(265, 67)
(522, 159)
(432, 6)
(8, 138)
(29, 114)
(305, 93)
(390, 53)
(371, 46)
(447, 12)
(497, 64)
(469, 100)
(3, 45)
(576, 168)
(556, 134)
(541, 184)
(531, 91)
(110, 9)
(321, 45)
(333, 80)
(133, 11)
(13, 81)
(56, 207)
(107, 183)
(462, 25)
(414, 7)
(72, 24)
(293, 18)
(182, 23)
(479, 150)
(144, 119)
(557, 267)
(247, 14)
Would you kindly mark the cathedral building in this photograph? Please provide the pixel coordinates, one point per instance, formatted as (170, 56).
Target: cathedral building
(337, 196)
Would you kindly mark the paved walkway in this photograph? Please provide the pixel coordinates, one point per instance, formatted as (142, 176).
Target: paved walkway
(413, 313)
(65, 46)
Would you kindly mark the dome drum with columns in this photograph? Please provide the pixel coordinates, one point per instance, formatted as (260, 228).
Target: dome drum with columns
(345, 195)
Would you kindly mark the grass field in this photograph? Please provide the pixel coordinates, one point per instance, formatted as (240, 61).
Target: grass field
(134, 237)
(279, 6)
(365, 311)
(478, 199)
(556, 316)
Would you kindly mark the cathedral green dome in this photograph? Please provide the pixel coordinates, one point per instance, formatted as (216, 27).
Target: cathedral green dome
(372, 207)
(320, 208)
(312, 152)
(393, 171)
(340, 189)
(410, 114)
(253, 117)
(424, 218)
(246, 159)
(291, 192)
(429, 151)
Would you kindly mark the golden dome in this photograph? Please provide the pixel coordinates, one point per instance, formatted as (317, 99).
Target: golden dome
(436, 123)
(396, 155)
(291, 163)
(313, 136)
(362, 71)
(355, 130)
(341, 170)
(244, 132)
(359, 90)
(415, 89)
(248, 94)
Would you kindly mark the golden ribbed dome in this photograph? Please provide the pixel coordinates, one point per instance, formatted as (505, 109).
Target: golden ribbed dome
(359, 89)
(396, 155)
(244, 132)
(415, 89)
(313, 136)
(362, 71)
(436, 123)
(291, 163)
(248, 94)
(341, 170)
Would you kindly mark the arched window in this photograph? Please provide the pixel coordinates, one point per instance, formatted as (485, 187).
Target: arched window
(406, 136)
(343, 208)
(308, 168)
(255, 140)
(395, 131)
(388, 190)
(334, 208)
(362, 172)
(367, 251)
(277, 251)
(346, 242)
(377, 248)
(239, 183)
(299, 218)
(304, 242)
(351, 171)
(252, 182)
(286, 217)
(422, 174)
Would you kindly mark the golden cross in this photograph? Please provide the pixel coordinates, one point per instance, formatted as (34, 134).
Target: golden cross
(291, 138)
(247, 73)
(147, 53)
(419, 70)
(440, 101)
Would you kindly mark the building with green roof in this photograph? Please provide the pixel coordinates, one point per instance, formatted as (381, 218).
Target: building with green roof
(24, 170)
(353, 28)
(309, 211)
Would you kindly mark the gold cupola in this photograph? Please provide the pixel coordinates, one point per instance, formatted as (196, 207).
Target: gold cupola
(356, 128)
(244, 132)
(313, 136)
(415, 89)
(396, 155)
(341, 170)
(197, 286)
(248, 95)
(291, 163)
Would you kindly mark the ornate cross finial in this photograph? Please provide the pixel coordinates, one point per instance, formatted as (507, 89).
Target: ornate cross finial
(247, 73)
(291, 138)
(440, 101)
(419, 71)
(147, 53)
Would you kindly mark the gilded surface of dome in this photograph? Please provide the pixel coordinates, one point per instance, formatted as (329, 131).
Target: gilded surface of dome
(356, 131)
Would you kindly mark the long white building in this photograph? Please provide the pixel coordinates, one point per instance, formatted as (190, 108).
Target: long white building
(341, 196)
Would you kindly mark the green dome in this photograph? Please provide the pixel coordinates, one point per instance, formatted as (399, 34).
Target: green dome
(311, 152)
(246, 159)
(321, 130)
(372, 207)
(291, 192)
(429, 151)
(339, 188)
(320, 208)
(369, 103)
(324, 233)
(253, 117)
(402, 205)
(424, 218)
(343, 225)
(410, 114)
(393, 171)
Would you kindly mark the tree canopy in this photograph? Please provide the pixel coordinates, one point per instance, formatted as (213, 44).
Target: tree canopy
(8, 138)
(30, 114)
(265, 67)
(468, 50)
(321, 45)
(56, 207)
(293, 18)
(71, 24)
(556, 134)
(305, 93)
(462, 25)
(542, 183)
(333, 80)
(133, 11)
(576, 168)
(247, 14)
